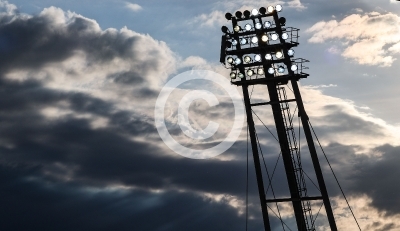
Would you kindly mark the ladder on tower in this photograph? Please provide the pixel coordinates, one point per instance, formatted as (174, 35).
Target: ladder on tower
(294, 150)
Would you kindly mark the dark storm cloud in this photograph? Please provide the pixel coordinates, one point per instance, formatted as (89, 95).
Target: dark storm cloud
(338, 120)
(378, 178)
(30, 204)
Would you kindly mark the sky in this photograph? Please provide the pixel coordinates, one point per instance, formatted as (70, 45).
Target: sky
(79, 148)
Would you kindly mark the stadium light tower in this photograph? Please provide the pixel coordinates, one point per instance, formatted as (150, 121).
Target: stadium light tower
(259, 51)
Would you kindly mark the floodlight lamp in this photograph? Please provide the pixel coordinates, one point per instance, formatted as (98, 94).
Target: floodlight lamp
(247, 59)
(250, 72)
(233, 75)
(224, 29)
(257, 58)
(243, 41)
(274, 36)
(237, 28)
(229, 60)
(247, 27)
(279, 54)
(270, 9)
(278, 8)
(258, 26)
(281, 69)
(254, 12)
(238, 61)
(228, 16)
(267, 24)
(262, 10)
(282, 21)
(254, 40)
(260, 71)
(285, 35)
(293, 67)
(240, 75)
(271, 70)
(246, 14)
(228, 44)
(268, 56)
(264, 38)
(290, 52)
(234, 42)
(238, 14)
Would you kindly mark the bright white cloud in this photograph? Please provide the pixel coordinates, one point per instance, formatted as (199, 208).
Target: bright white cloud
(369, 39)
(133, 7)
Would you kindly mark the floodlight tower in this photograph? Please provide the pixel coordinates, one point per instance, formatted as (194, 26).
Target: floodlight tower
(259, 52)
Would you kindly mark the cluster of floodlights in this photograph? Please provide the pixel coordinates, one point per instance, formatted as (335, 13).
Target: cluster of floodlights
(260, 71)
(257, 58)
(254, 12)
(254, 39)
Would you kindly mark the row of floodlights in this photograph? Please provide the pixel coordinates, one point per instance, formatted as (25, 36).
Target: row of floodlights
(254, 12)
(257, 57)
(254, 39)
(260, 71)
(258, 26)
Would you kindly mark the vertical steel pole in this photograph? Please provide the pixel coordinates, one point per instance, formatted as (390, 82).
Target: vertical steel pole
(286, 156)
(314, 156)
(257, 165)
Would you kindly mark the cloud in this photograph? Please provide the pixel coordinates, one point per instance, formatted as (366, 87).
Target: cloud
(369, 39)
(133, 7)
(78, 141)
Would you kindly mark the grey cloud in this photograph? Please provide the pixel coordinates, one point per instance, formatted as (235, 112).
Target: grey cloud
(32, 42)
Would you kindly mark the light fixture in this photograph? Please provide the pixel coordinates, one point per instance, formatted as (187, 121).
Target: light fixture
(262, 10)
(281, 69)
(240, 75)
(260, 71)
(250, 72)
(264, 38)
(268, 56)
(229, 60)
(290, 52)
(234, 42)
(258, 25)
(267, 24)
(247, 27)
(271, 70)
(279, 54)
(238, 14)
(257, 58)
(238, 61)
(282, 21)
(254, 39)
(224, 29)
(246, 14)
(228, 16)
(270, 9)
(243, 41)
(236, 28)
(254, 12)
(274, 36)
(247, 59)
(285, 35)
(233, 75)
(293, 67)
(278, 8)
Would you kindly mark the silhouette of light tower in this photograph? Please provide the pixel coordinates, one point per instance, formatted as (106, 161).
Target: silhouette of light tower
(259, 52)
